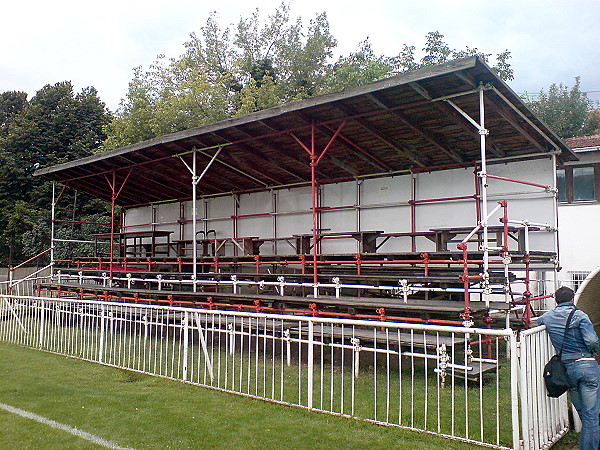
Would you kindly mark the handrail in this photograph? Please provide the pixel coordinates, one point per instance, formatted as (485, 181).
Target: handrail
(30, 259)
(31, 275)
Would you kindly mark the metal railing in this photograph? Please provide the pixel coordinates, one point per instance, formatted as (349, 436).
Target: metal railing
(238, 284)
(544, 420)
(26, 285)
(455, 382)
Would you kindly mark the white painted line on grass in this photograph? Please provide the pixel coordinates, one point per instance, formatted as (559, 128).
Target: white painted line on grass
(74, 431)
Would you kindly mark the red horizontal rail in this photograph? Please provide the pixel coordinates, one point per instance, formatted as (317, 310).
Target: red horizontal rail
(512, 180)
(31, 259)
(260, 307)
(442, 199)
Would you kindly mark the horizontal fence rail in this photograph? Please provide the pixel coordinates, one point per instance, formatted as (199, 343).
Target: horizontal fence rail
(236, 284)
(455, 382)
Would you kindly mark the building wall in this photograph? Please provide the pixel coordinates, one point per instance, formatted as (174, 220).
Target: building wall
(578, 224)
(372, 204)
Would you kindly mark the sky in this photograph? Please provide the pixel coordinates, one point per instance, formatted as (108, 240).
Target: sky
(99, 43)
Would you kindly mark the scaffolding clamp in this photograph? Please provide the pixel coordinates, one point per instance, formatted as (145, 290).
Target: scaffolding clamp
(356, 344)
(404, 289)
(443, 360)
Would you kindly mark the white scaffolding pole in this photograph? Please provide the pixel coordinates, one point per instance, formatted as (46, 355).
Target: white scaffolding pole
(484, 206)
(52, 228)
(195, 180)
(555, 223)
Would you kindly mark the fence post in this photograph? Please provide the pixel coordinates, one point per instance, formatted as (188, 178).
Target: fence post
(102, 315)
(310, 362)
(42, 323)
(185, 324)
(514, 389)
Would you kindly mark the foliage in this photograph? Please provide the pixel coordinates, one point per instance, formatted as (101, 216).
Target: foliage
(11, 104)
(436, 51)
(359, 68)
(568, 112)
(227, 72)
(224, 72)
(55, 126)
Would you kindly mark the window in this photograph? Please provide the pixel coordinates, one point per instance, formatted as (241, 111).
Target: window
(578, 183)
(577, 278)
(583, 183)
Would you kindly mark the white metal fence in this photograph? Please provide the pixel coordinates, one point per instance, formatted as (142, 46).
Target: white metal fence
(455, 382)
(544, 419)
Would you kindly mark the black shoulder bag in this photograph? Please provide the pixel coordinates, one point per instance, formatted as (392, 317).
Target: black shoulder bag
(555, 373)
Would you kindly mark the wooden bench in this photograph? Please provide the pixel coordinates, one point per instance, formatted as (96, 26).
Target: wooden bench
(137, 243)
(367, 240)
(443, 236)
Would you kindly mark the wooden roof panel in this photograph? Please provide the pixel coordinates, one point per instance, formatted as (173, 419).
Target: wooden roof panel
(389, 126)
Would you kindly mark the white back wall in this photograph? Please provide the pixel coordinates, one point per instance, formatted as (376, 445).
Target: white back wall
(377, 204)
(579, 246)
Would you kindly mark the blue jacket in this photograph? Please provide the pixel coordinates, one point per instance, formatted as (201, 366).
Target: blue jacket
(581, 340)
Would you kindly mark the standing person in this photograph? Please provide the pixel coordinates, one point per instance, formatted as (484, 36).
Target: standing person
(578, 355)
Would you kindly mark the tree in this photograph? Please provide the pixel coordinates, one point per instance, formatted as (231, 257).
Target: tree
(56, 125)
(436, 51)
(568, 112)
(359, 68)
(11, 104)
(227, 72)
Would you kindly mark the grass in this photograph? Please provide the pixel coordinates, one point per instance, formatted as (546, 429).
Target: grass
(141, 411)
(414, 395)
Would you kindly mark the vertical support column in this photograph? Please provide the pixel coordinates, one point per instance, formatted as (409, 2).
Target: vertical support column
(477, 195)
(274, 219)
(555, 217)
(113, 198)
(358, 203)
(194, 220)
(52, 229)
(484, 206)
(234, 221)
(315, 201)
(413, 211)
(528, 313)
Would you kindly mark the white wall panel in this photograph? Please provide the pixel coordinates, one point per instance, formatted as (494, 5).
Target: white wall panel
(445, 183)
(383, 206)
(138, 216)
(339, 221)
(290, 224)
(340, 194)
(261, 226)
(218, 218)
(298, 199)
(259, 202)
(386, 190)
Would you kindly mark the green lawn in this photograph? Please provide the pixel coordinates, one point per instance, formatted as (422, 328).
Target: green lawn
(141, 411)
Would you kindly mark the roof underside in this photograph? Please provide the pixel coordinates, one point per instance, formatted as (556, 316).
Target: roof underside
(402, 123)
